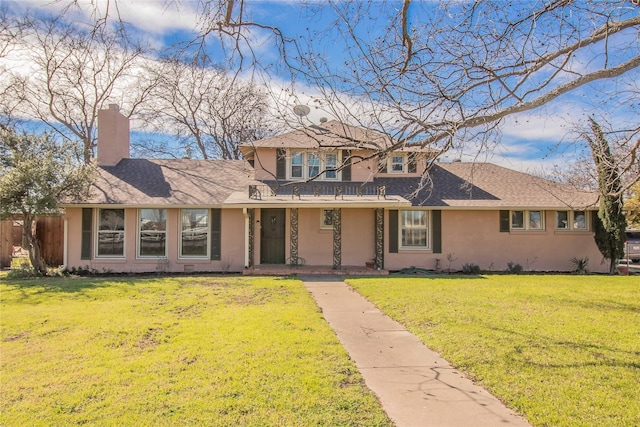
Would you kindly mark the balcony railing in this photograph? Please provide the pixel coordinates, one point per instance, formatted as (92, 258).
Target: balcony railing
(298, 191)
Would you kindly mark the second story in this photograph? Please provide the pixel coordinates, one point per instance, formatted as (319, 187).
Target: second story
(333, 151)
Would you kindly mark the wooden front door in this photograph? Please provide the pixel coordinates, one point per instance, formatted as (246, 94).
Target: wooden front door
(272, 236)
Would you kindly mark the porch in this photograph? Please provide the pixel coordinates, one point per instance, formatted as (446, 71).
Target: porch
(289, 270)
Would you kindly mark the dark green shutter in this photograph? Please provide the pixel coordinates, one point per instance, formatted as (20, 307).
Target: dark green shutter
(436, 218)
(216, 242)
(281, 163)
(595, 219)
(87, 229)
(346, 170)
(393, 231)
(412, 166)
(504, 221)
(382, 165)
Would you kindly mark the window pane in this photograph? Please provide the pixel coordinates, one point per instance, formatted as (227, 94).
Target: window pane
(562, 220)
(517, 219)
(396, 163)
(313, 164)
(296, 165)
(330, 163)
(195, 230)
(153, 226)
(580, 220)
(111, 232)
(327, 218)
(535, 220)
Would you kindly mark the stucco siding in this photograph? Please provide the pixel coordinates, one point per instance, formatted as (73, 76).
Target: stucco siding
(232, 245)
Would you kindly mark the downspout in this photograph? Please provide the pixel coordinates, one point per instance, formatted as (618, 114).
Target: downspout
(246, 237)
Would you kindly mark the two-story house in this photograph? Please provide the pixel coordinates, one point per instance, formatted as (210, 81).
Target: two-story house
(320, 199)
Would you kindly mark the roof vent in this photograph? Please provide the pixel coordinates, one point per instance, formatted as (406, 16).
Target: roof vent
(457, 161)
(323, 120)
(114, 107)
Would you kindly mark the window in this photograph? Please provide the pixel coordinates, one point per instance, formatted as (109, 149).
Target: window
(313, 162)
(296, 165)
(307, 164)
(414, 229)
(326, 218)
(152, 230)
(194, 233)
(397, 164)
(527, 220)
(110, 241)
(330, 163)
(571, 220)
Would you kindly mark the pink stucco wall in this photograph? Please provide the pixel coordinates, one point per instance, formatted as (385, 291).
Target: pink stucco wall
(265, 164)
(475, 237)
(232, 236)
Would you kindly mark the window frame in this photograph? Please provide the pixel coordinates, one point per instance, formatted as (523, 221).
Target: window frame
(427, 227)
(98, 232)
(323, 224)
(526, 220)
(158, 232)
(322, 165)
(181, 232)
(571, 220)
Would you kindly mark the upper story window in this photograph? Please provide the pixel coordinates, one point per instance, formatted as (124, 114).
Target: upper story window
(310, 164)
(110, 241)
(152, 232)
(571, 220)
(399, 163)
(527, 220)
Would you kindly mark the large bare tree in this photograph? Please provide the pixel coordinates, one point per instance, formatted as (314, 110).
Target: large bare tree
(74, 72)
(207, 110)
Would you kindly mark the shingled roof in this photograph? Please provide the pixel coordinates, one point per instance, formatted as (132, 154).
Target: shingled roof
(170, 182)
(485, 185)
(332, 134)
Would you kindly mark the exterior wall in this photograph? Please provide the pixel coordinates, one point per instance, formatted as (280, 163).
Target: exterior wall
(232, 242)
(475, 237)
(265, 164)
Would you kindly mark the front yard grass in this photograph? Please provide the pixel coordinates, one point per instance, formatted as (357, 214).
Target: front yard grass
(173, 351)
(561, 350)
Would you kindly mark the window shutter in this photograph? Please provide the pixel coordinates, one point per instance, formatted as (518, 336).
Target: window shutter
(87, 229)
(216, 242)
(595, 220)
(281, 163)
(412, 165)
(346, 170)
(504, 221)
(436, 231)
(382, 165)
(393, 231)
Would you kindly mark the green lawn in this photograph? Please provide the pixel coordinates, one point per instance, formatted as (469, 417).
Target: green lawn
(561, 350)
(174, 351)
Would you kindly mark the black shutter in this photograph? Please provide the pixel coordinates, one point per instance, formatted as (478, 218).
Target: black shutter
(393, 231)
(216, 242)
(87, 228)
(382, 165)
(504, 221)
(281, 163)
(346, 170)
(595, 220)
(412, 166)
(436, 232)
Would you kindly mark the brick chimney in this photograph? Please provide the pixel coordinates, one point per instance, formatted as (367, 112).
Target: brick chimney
(113, 136)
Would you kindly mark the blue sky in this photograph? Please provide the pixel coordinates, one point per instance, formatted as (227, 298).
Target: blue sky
(538, 138)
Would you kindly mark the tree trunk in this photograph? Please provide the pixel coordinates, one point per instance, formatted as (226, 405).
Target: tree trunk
(34, 248)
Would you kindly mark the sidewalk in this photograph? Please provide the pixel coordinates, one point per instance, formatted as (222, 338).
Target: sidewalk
(415, 386)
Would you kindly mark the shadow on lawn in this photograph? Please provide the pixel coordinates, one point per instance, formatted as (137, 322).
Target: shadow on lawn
(44, 285)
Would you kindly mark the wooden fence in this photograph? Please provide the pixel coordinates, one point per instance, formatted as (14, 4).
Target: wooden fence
(50, 235)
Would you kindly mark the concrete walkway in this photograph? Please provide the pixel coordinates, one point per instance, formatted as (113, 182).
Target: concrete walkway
(415, 386)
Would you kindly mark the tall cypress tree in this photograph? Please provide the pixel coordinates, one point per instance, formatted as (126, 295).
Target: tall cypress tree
(609, 229)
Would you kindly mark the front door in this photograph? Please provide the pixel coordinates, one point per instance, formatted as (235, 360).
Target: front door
(272, 236)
